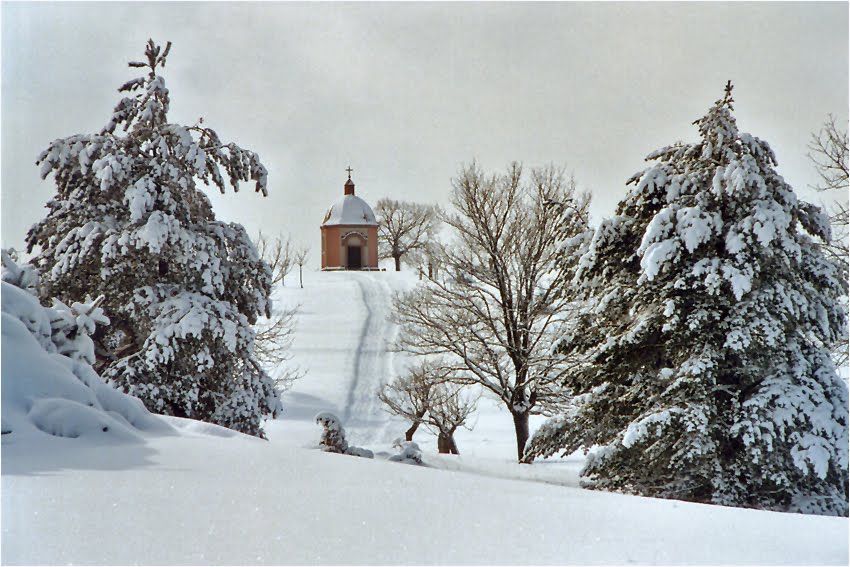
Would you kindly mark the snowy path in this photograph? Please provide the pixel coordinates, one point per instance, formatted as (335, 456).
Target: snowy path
(364, 416)
(343, 339)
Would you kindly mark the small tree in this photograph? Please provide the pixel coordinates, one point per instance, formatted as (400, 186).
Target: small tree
(278, 254)
(410, 395)
(403, 227)
(449, 410)
(181, 290)
(505, 294)
(423, 396)
(302, 253)
(830, 154)
(428, 259)
(706, 373)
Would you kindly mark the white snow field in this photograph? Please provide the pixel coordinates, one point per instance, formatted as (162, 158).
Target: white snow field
(155, 490)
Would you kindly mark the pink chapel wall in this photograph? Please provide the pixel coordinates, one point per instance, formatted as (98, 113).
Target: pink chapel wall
(335, 250)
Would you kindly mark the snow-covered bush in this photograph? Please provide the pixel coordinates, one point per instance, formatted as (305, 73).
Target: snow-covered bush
(333, 434)
(708, 374)
(181, 289)
(70, 327)
(333, 437)
(47, 392)
(409, 452)
(360, 452)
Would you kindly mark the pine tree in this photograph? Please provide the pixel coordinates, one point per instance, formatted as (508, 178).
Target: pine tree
(180, 288)
(708, 374)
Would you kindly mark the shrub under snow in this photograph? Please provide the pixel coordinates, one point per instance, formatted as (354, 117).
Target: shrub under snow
(409, 452)
(48, 384)
(333, 437)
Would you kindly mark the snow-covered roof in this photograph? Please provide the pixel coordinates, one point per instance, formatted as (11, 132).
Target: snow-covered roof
(350, 210)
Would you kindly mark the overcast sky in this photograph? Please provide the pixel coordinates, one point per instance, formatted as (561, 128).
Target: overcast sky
(407, 93)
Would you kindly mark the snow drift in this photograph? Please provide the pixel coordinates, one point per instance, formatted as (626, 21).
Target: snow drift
(48, 393)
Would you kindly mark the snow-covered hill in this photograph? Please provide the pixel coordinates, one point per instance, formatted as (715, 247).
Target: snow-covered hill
(189, 493)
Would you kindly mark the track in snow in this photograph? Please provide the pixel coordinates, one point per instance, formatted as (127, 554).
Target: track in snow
(364, 417)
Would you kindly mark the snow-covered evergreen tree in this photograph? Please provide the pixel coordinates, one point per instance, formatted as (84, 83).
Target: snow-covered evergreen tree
(708, 375)
(180, 288)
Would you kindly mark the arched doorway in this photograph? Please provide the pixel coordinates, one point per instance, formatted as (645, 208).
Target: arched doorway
(354, 250)
(355, 257)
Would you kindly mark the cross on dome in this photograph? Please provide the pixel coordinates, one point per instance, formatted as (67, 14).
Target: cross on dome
(349, 170)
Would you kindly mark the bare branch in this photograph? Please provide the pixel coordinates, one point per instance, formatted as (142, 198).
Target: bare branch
(275, 333)
(505, 295)
(829, 153)
(278, 254)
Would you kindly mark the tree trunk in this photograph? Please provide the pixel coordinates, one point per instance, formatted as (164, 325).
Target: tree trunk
(446, 444)
(397, 258)
(442, 444)
(300, 277)
(453, 446)
(408, 435)
(521, 428)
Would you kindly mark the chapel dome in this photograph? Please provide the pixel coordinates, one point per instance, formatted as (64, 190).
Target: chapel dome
(350, 210)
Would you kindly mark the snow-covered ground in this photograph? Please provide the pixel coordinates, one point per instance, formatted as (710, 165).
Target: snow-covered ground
(182, 492)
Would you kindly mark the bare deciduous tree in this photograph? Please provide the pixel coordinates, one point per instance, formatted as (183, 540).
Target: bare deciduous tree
(403, 227)
(450, 408)
(505, 294)
(829, 153)
(409, 396)
(428, 259)
(302, 253)
(423, 397)
(278, 254)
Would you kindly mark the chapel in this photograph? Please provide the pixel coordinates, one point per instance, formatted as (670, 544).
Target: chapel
(350, 233)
